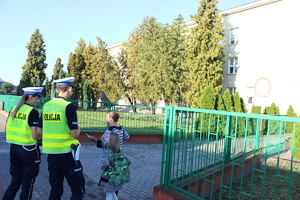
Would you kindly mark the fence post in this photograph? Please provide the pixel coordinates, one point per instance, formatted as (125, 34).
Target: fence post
(257, 134)
(169, 137)
(227, 145)
(111, 107)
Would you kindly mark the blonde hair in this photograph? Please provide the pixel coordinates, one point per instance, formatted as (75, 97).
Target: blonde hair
(62, 88)
(23, 99)
(114, 142)
(114, 115)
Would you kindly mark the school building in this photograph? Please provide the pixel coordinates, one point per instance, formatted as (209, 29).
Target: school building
(261, 53)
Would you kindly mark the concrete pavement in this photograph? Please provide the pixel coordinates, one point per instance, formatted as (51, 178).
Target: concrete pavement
(145, 171)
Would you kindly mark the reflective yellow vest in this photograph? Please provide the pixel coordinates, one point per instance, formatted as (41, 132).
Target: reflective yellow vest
(57, 136)
(17, 129)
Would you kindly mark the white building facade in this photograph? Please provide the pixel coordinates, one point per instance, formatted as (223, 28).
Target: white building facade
(262, 56)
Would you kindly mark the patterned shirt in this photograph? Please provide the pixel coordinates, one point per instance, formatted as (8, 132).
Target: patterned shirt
(117, 129)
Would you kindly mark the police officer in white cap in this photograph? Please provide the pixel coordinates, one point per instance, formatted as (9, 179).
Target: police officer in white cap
(60, 131)
(21, 132)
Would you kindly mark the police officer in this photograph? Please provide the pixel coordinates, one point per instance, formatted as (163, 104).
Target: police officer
(60, 131)
(21, 132)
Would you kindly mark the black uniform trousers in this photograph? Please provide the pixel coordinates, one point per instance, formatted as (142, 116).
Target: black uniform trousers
(24, 168)
(64, 165)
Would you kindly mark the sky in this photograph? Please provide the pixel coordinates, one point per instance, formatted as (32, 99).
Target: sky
(63, 22)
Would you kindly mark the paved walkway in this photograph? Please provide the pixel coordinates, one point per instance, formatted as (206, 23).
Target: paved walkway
(145, 171)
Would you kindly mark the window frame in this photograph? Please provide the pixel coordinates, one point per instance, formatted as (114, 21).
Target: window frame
(233, 36)
(233, 66)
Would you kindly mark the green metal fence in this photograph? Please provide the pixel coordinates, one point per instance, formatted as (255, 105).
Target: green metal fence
(92, 115)
(224, 155)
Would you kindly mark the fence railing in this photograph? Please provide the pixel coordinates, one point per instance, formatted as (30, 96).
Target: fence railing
(92, 115)
(225, 155)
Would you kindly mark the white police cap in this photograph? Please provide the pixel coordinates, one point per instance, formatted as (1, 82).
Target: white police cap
(64, 81)
(33, 90)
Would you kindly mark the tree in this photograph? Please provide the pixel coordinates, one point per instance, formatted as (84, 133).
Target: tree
(57, 68)
(271, 126)
(227, 101)
(150, 71)
(238, 107)
(7, 88)
(205, 52)
(35, 62)
(290, 113)
(207, 100)
(172, 58)
(76, 65)
(47, 89)
(219, 103)
(129, 61)
(86, 94)
(24, 82)
(62, 74)
(105, 75)
(222, 118)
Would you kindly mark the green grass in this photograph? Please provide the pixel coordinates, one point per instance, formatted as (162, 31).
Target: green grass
(133, 122)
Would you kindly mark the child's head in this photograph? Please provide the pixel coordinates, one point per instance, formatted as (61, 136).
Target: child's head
(114, 142)
(112, 117)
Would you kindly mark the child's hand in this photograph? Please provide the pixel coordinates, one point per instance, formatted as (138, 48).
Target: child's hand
(91, 138)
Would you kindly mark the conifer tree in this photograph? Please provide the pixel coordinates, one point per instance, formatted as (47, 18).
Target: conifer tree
(62, 74)
(227, 101)
(86, 93)
(219, 103)
(57, 68)
(150, 71)
(171, 61)
(271, 126)
(222, 118)
(244, 109)
(35, 62)
(205, 52)
(252, 123)
(47, 89)
(76, 65)
(290, 113)
(104, 73)
(207, 100)
(237, 107)
(38, 82)
(24, 82)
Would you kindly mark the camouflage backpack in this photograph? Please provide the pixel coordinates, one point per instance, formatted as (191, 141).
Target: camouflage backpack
(118, 172)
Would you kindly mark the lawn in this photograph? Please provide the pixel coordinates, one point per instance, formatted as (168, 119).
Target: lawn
(132, 122)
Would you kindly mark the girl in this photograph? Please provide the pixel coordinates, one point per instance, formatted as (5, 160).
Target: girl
(21, 132)
(112, 119)
(113, 146)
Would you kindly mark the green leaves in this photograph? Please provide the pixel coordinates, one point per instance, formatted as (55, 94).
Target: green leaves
(205, 52)
(35, 63)
(152, 62)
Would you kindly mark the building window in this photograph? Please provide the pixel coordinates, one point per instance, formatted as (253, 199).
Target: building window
(232, 65)
(234, 36)
(232, 90)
